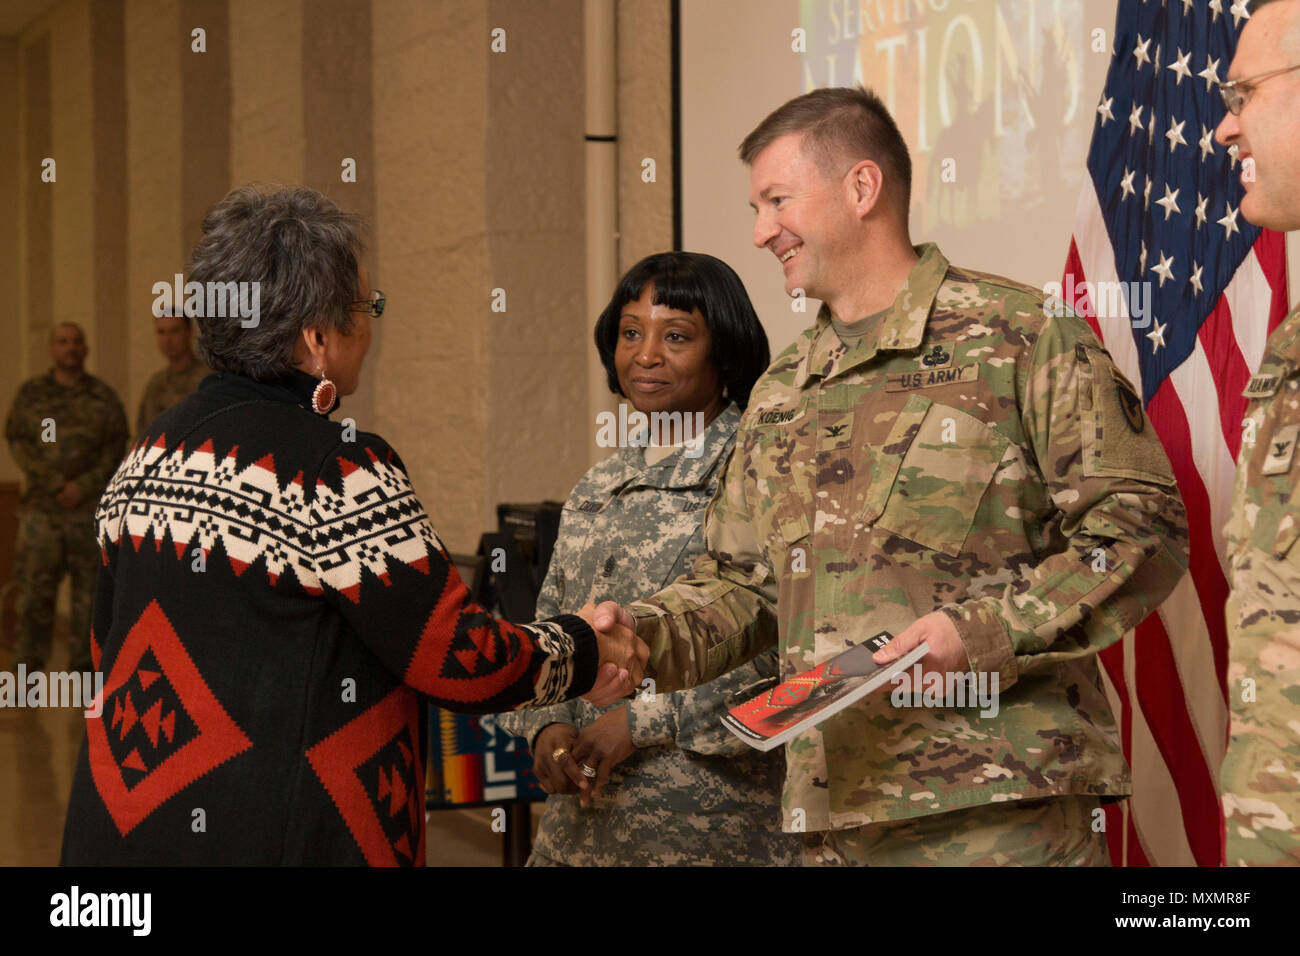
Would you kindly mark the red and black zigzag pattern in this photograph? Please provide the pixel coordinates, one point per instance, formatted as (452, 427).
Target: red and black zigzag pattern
(368, 518)
(354, 529)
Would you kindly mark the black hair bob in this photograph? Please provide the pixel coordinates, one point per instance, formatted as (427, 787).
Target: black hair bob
(687, 281)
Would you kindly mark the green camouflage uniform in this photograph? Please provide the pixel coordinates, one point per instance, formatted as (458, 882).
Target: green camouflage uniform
(1260, 778)
(971, 455)
(88, 427)
(693, 793)
(1055, 831)
(165, 388)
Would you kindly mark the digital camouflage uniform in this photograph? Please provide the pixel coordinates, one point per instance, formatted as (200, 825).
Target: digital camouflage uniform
(693, 793)
(972, 456)
(88, 427)
(1260, 778)
(166, 388)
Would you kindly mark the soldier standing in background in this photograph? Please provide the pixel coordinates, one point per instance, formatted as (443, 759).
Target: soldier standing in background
(67, 431)
(1260, 777)
(182, 375)
(939, 457)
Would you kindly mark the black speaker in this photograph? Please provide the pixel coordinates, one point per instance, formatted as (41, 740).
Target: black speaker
(512, 561)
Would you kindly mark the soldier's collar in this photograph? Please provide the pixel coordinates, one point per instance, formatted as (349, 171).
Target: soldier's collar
(902, 327)
(688, 472)
(678, 470)
(81, 382)
(1285, 340)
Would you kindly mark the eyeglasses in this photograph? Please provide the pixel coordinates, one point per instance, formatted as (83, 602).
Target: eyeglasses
(375, 306)
(1236, 93)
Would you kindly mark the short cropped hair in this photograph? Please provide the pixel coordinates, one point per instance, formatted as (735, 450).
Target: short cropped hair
(840, 125)
(302, 250)
(176, 312)
(66, 325)
(687, 281)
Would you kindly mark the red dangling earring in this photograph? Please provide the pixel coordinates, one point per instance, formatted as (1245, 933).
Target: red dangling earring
(322, 399)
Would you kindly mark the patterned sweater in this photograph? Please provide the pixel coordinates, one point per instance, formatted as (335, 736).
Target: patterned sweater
(272, 612)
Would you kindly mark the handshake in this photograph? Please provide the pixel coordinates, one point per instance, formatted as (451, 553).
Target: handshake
(623, 655)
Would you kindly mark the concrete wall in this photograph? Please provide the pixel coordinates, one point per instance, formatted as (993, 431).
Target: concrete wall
(469, 165)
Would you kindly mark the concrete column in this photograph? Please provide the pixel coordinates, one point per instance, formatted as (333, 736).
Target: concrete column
(11, 261)
(538, 427)
(430, 368)
(154, 170)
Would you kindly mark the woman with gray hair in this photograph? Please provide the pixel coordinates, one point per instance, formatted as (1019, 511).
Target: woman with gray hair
(273, 606)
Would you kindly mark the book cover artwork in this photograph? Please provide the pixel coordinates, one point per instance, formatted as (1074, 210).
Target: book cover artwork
(808, 698)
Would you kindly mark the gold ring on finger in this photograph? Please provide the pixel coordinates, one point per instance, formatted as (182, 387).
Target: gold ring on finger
(559, 752)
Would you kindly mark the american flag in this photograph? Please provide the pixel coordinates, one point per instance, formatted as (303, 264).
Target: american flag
(1162, 205)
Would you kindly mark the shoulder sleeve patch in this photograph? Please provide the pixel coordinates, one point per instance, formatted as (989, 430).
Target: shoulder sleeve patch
(1129, 402)
(1117, 441)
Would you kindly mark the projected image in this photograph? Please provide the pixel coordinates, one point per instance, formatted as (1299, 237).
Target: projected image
(992, 98)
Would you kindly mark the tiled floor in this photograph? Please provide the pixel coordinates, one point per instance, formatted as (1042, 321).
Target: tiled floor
(38, 751)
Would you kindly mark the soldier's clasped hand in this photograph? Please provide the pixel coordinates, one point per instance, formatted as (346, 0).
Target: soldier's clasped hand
(623, 655)
(602, 745)
(69, 495)
(553, 763)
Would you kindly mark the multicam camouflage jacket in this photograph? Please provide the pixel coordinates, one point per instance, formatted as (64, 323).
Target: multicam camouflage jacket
(1260, 778)
(692, 793)
(164, 389)
(61, 433)
(970, 455)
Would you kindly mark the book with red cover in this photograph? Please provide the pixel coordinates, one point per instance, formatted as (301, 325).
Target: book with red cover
(805, 700)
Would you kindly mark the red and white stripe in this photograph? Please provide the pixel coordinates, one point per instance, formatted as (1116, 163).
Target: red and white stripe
(1167, 680)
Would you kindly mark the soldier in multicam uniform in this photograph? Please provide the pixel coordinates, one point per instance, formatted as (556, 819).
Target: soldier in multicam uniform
(1260, 777)
(67, 432)
(683, 790)
(939, 458)
(182, 375)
